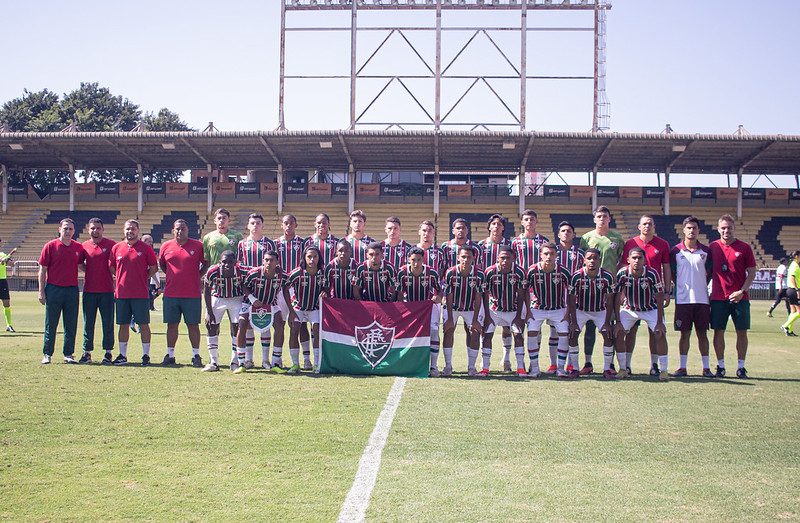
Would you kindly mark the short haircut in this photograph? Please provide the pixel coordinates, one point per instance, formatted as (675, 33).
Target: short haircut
(548, 245)
(126, 222)
(323, 214)
(646, 216)
(291, 217)
(794, 255)
(505, 248)
(360, 214)
(222, 210)
(427, 222)
(467, 248)
(530, 212)
(567, 224)
(308, 249)
(639, 250)
(255, 215)
(460, 220)
(343, 243)
(96, 220)
(601, 209)
(377, 246)
(271, 253)
(66, 220)
(415, 250)
(727, 218)
(228, 253)
(180, 220)
(784, 261)
(495, 217)
(691, 219)
(393, 219)
(592, 250)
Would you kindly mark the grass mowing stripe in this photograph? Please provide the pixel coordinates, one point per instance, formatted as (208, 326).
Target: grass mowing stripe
(357, 500)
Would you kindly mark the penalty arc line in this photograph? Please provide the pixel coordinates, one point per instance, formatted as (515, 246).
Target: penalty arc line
(357, 500)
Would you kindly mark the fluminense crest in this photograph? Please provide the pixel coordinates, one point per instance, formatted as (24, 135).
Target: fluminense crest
(374, 342)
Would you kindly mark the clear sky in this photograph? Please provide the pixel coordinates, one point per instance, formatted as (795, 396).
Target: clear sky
(701, 66)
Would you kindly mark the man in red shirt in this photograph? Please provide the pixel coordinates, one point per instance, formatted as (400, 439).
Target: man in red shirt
(732, 274)
(133, 263)
(184, 265)
(98, 291)
(58, 289)
(656, 252)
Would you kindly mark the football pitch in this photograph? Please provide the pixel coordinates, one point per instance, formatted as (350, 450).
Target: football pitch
(96, 442)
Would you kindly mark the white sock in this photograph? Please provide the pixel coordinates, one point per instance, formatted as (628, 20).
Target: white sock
(241, 353)
(265, 350)
(507, 341)
(146, 349)
(721, 363)
(684, 360)
(213, 355)
(653, 359)
(554, 346)
(234, 357)
(562, 350)
(295, 353)
(306, 346)
(573, 356)
(608, 358)
(123, 349)
(195, 351)
(741, 364)
(316, 356)
(705, 362)
(622, 358)
(487, 356)
(472, 357)
(519, 352)
(277, 354)
(663, 362)
(171, 352)
(448, 356)
(213, 342)
(533, 351)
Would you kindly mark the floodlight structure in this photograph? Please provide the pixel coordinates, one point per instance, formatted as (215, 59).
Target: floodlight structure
(302, 19)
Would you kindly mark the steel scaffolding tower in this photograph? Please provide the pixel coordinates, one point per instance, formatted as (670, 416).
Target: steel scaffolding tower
(436, 70)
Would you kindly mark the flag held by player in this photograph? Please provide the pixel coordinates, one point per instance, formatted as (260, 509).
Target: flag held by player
(384, 339)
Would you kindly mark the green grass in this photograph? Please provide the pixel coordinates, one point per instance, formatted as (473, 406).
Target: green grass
(95, 442)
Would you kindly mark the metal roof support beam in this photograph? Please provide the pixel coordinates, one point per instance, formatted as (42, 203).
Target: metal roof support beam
(269, 150)
(280, 188)
(71, 188)
(209, 191)
(602, 155)
(666, 191)
(353, 65)
(523, 75)
(739, 192)
(521, 180)
(594, 189)
(436, 200)
(351, 188)
(4, 172)
(755, 155)
(139, 188)
(195, 151)
(123, 152)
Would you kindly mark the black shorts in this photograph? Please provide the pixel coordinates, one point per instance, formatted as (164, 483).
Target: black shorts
(4, 295)
(790, 293)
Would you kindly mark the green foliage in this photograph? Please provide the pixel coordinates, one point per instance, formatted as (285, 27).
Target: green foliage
(91, 108)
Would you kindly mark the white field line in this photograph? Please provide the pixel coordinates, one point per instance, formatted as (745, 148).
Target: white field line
(357, 500)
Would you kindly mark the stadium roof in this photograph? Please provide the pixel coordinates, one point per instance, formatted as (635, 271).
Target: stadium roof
(405, 151)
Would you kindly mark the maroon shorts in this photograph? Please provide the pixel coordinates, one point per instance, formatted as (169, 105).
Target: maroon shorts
(688, 314)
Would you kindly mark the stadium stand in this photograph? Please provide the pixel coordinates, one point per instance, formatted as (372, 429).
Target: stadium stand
(81, 218)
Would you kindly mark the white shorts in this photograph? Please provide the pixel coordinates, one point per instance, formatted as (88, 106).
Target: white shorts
(283, 306)
(628, 318)
(553, 318)
(307, 316)
(583, 317)
(220, 305)
(466, 316)
(436, 315)
(502, 319)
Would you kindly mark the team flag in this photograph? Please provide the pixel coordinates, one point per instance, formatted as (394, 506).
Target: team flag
(261, 318)
(384, 339)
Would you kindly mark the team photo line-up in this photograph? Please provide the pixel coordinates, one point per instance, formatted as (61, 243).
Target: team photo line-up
(517, 285)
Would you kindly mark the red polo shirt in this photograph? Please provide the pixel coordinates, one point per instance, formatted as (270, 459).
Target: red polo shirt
(131, 264)
(181, 264)
(62, 262)
(98, 278)
(656, 252)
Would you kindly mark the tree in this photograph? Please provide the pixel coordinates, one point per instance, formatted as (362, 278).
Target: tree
(91, 108)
